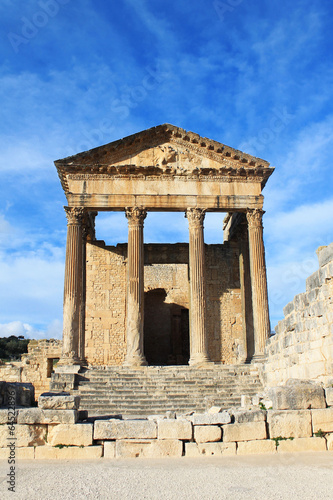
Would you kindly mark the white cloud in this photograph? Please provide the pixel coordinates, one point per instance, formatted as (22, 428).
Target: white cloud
(18, 328)
(291, 241)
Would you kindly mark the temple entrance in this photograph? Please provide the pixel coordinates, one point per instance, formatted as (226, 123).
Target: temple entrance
(166, 330)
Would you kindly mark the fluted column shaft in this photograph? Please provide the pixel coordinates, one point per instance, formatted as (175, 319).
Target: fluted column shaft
(72, 286)
(258, 282)
(135, 287)
(198, 338)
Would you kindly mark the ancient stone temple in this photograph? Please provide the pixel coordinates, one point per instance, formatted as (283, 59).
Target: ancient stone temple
(157, 304)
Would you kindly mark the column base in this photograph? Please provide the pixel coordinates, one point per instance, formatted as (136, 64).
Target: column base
(135, 361)
(69, 359)
(258, 358)
(198, 360)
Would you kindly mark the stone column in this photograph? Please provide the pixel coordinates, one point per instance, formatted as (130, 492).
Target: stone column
(198, 338)
(72, 287)
(258, 282)
(135, 287)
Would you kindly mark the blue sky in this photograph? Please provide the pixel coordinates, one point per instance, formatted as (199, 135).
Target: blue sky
(255, 75)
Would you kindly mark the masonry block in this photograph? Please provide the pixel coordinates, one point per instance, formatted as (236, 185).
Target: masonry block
(26, 453)
(212, 449)
(289, 423)
(329, 441)
(246, 416)
(297, 395)
(193, 450)
(161, 448)
(109, 449)
(302, 444)
(175, 429)
(322, 420)
(6, 417)
(39, 416)
(210, 418)
(25, 435)
(329, 396)
(244, 432)
(255, 447)
(207, 433)
(130, 448)
(70, 434)
(125, 429)
(58, 401)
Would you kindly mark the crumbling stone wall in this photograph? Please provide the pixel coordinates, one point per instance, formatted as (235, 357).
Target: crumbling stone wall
(303, 345)
(166, 268)
(36, 366)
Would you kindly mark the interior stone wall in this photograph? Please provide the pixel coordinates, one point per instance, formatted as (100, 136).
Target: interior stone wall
(166, 269)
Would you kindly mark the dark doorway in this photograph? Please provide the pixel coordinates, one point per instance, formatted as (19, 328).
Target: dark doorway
(166, 330)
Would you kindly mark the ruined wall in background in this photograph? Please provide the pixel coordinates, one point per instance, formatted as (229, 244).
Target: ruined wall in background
(302, 347)
(36, 366)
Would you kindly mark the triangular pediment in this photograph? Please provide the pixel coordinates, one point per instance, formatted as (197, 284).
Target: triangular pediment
(164, 150)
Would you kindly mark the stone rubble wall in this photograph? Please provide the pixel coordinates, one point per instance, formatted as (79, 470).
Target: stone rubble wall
(302, 347)
(34, 366)
(57, 429)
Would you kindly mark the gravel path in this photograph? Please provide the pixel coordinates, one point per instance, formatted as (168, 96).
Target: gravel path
(288, 476)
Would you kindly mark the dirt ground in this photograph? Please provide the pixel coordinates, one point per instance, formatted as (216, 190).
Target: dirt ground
(271, 477)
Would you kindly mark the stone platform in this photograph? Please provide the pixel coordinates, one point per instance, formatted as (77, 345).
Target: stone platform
(154, 390)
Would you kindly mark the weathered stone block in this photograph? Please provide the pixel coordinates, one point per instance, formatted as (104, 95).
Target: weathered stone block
(207, 433)
(125, 429)
(244, 432)
(26, 435)
(165, 448)
(58, 401)
(325, 254)
(20, 453)
(68, 453)
(246, 416)
(322, 420)
(24, 393)
(215, 409)
(329, 396)
(302, 444)
(289, 423)
(329, 441)
(211, 449)
(109, 449)
(6, 416)
(297, 395)
(131, 448)
(70, 434)
(288, 308)
(39, 416)
(245, 400)
(313, 281)
(210, 419)
(256, 446)
(175, 429)
(193, 450)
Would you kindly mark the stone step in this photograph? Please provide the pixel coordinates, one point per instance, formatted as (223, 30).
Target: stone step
(155, 390)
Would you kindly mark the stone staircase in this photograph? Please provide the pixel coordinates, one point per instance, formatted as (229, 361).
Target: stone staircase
(158, 389)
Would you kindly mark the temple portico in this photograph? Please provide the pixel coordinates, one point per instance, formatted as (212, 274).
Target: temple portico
(164, 169)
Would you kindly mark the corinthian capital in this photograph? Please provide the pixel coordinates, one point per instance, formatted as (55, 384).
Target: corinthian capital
(74, 215)
(195, 216)
(254, 217)
(135, 215)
